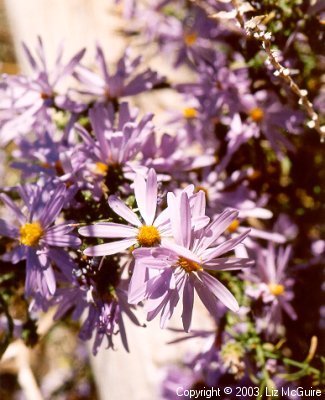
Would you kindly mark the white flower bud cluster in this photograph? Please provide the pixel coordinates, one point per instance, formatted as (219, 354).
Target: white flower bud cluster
(312, 122)
(262, 35)
(282, 71)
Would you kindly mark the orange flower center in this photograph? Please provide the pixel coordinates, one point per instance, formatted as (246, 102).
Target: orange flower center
(257, 114)
(233, 226)
(31, 233)
(189, 113)
(148, 236)
(276, 289)
(188, 265)
(101, 168)
(190, 38)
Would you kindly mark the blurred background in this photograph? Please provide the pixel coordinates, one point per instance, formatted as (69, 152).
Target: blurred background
(61, 366)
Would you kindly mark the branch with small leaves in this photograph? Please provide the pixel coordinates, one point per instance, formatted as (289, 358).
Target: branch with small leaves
(252, 29)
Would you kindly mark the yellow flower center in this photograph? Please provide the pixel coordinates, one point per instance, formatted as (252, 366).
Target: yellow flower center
(276, 289)
(148, 236)
(257, 114)
(30, 233)
(189, 113)
(233, 226)
(190, 38)
(101, 168)
(188, 265)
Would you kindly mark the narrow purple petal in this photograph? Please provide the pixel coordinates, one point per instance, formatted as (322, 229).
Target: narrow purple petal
(96, 114)
(188, 300)
(220, 291)
(181, 251)
(174, 217)
(102, 63)
(283, 259)
(17, 254)
(180, 218)
(30, 58)
(228, 264)
(198, 204)
(273, 236)
(62, 259)
(108, 230)
(137, 286)
(288, 309)
(207, 298)
(169, 308)
(62, 240)
(185, 222)
(224, 247)
(53, 207)
(8, 230)
(12, 206)
(155, 306)
(217, 227)
(70, 66)
(151, 196)
(123, 211)
(107, 249)
(50, 279)
(146, 195)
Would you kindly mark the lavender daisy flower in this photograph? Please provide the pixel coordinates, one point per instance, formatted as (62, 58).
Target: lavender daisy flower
(29, 98)
(37, 237)
(115, 147)
(147, 233)
(232, 191)
(269, 117)
(218, 90)
(124, 82)
(191, 39)
(49, 157)
(181, 265)
(273, 287)
(98, 292)
(172, 154)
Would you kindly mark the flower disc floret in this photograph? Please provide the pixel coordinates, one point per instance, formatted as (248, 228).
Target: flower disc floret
(257, 114)
(276, 289)
(233, 226)
(31, 233)
(188, 265)
(190, 113)
(190, 38)
(101, 168)
(148, 236)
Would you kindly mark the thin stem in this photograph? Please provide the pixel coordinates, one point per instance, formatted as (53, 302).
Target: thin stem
(282, 72)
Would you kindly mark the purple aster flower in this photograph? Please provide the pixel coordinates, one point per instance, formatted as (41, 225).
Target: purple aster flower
(124, 82)
(29, 98)
(181, 266)
(273, 287)
(49, 157)
(219, 89)
(172, 154)
(148, 233)
(232, 191)
(189, 39)
(115, 146)
(238, 134)
(96, 290)
(38, 238)
(270, 117)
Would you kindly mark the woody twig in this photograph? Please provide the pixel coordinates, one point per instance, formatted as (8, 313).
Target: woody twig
(253, 30)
